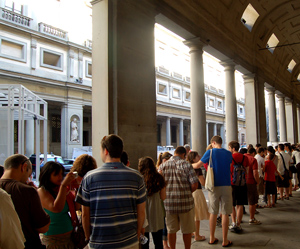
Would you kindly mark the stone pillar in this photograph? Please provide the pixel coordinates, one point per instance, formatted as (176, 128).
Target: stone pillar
(291, 125)
(207, 134)
(272, 116)
(190, 134)
(128, 49)
(298, 123)
(250, 110)
(198, 115)
(282, 118)
(181, 132)
(261, 111)
(230, 102)
(168, 131)
(215, 129)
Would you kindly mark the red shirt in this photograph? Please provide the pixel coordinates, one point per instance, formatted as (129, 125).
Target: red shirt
(238, 158)
(270, 169)
(252, 166)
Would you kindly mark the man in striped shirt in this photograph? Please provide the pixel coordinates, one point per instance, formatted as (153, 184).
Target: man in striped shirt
(113, 199)
(179, 204)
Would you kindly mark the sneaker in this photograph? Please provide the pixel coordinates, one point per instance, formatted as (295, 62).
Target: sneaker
(238, 229)
(219, 221)
(254, 222)
(232, 227)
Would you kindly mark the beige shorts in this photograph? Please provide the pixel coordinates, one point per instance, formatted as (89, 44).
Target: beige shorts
(221, 195)
(183, 221)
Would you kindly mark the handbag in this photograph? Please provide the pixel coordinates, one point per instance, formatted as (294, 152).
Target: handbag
(78, 236)
(286, 171)
(209, 182)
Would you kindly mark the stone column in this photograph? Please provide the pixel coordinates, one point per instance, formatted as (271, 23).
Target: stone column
(207, 134)
(272, 116)
(250, 110)
(298, 122)
(230, 102)
(168, 131)
(215, 129)
(291, 126)
(128, 49)
(181, 132)
(198, 115)
(282, 118)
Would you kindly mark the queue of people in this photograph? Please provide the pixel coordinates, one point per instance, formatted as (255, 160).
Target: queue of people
(120, 206)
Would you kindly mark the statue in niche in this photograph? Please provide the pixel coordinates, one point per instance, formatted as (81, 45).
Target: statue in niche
(74, 130)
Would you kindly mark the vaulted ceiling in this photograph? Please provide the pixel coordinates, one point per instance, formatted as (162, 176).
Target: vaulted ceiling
(220, 24)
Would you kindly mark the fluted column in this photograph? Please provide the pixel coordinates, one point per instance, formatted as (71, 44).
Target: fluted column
(168, 131)
(282, 118)
(272, 116)
(230, 102)
(181, 132)
(198, 116)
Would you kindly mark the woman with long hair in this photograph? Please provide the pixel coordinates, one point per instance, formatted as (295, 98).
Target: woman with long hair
(54, 192)
(156, 191)
(201, 210)
(162, 158)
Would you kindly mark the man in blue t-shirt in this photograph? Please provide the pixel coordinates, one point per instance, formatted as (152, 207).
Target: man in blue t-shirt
(113, 199)
(221, 160)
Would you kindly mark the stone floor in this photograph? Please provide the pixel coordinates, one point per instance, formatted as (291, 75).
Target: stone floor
(280, 229)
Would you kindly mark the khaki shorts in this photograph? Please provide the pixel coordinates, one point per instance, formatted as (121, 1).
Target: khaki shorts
(221, 195)
(183, 221)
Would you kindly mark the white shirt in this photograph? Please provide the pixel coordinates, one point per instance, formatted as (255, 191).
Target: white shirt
(11, 234)
(296, 154)
(260, 164)
(287, 159)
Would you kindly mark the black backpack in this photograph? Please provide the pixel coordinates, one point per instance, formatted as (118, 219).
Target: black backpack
(239, 173)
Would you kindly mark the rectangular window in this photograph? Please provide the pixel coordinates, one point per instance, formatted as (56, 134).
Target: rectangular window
(176, 93)
(220, 105)
(187, 96)
(51, 59)
(56, 128)
(173, 134)
(14, 6)
(162, 88)
(211, 103)
(88, 69)
(12, 49)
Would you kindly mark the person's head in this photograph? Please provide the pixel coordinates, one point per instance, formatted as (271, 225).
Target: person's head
(287, 147)
(261, 151)
(124, 158)
(234, 146)
(111, 147)
(276, 148)
(280, 147)
(249, 146)
(153, 180)
(216, 141)
(187, 148)
(180, 151)
(55, 159)
(20, 166)
(83, 164)
(257, 146)
(251, 151)
(243, 150)
(163, 157)
(271, 149)
(51, 176)
(193, 157)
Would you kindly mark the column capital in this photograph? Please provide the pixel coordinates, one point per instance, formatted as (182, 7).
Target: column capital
(280, 96)
(228, 64)
(270, 89)
(288, 101)
(195, 44)
(248, 78)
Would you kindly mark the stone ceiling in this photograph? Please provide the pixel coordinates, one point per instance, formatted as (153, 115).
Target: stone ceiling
(219, 23)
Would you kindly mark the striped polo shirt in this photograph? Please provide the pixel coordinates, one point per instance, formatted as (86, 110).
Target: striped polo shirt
(179, 175)
(112, 192)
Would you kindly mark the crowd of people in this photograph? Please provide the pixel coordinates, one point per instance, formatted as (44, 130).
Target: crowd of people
(119, 206)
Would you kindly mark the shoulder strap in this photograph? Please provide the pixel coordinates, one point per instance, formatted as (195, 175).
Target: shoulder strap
(283, 161)
(242, 160)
